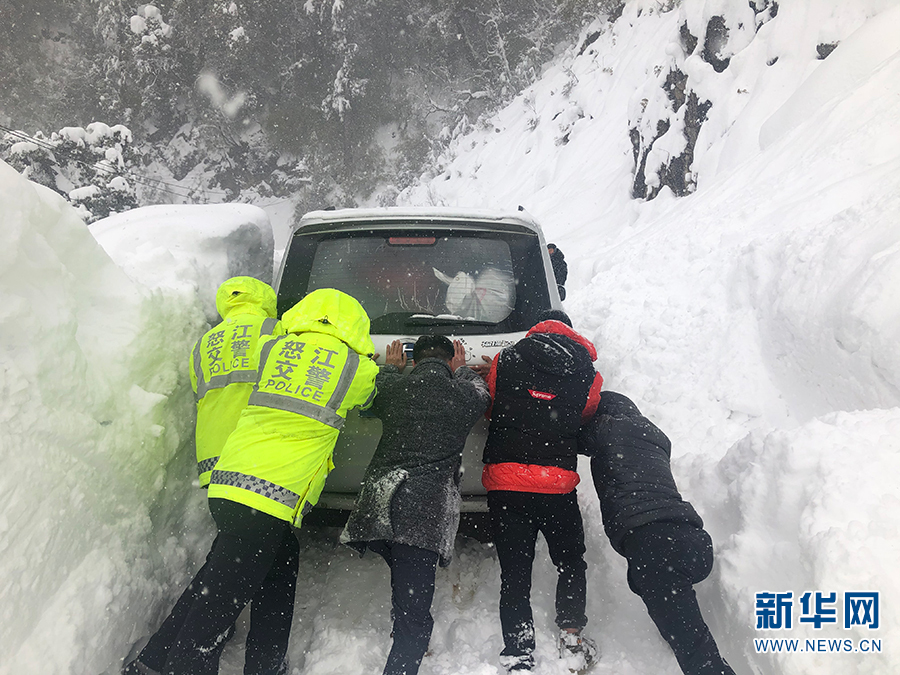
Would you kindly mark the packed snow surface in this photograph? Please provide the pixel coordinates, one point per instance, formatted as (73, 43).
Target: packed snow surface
(754, 320)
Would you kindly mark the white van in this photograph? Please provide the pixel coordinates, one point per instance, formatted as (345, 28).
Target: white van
(476, 276)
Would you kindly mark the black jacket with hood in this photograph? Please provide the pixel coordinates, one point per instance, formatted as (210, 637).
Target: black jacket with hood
(542, 387)
(560, 267)
(631, 471)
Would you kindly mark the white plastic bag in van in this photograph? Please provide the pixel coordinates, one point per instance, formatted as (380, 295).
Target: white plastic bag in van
(488, 296)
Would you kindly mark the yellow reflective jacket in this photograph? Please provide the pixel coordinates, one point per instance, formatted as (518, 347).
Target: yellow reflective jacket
(280, 453)
(224, 364)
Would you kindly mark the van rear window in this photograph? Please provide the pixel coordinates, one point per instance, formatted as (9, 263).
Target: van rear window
(450, 276)
(459, 282)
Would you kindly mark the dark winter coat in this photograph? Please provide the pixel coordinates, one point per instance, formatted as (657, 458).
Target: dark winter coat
(410, 492)
(560, 268)
(631, 471)
(542, 388)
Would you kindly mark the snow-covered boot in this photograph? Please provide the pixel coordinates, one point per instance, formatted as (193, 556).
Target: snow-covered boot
(579, 651)
(519, 663)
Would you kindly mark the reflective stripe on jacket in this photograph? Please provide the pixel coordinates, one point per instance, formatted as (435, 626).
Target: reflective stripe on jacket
(224, 364)
(280, 453)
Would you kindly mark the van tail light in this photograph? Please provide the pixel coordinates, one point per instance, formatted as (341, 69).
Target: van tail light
(411, 241)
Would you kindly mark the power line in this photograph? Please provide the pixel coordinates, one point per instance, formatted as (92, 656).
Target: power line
(106, 169)
(100, 167)
(97, 166)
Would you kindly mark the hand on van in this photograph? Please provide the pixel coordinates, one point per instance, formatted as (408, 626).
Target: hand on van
(482, 369)
(394, 356)
(459, 355)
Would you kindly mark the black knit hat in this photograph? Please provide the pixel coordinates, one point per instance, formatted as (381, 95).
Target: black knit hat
(555, 315)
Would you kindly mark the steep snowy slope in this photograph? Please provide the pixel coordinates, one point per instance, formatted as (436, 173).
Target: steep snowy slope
(753, 318)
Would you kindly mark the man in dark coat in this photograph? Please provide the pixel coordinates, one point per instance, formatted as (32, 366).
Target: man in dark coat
(543, 387)
(648, 523)
(560, 269)
(408, 508)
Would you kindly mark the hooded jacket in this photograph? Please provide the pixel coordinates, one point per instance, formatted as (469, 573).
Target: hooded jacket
(560, 267)
(543, 387)
(223, 363)
(410, 493)
(280, 453)
(631, 471)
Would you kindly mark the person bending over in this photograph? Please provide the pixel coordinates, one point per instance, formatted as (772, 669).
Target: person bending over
(659, 534)
(223, 367)
(269, 475)
(408, 508)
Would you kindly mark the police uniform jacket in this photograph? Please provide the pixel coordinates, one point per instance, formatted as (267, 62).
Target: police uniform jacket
(280, 453)
(223, 364)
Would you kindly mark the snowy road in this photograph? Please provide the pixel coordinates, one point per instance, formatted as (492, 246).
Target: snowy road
(342, 614)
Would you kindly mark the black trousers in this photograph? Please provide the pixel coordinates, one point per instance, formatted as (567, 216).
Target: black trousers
(665, 560)
(253, 557)
(516, 519)
(412, 590)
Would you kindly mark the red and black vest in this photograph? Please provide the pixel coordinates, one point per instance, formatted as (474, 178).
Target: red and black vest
(542, 387)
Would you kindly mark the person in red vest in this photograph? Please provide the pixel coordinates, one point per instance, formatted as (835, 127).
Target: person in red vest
(542, 389)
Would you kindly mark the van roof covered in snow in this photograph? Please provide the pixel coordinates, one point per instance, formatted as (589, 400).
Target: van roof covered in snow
(401, 216)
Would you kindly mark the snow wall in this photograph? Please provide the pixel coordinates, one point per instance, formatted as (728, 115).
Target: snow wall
(98, 516)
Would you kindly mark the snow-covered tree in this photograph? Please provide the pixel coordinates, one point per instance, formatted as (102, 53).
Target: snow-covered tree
(92, 166)
(230, 96)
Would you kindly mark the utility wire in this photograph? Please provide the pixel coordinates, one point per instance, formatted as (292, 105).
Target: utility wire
(104, 168)
(100, 166)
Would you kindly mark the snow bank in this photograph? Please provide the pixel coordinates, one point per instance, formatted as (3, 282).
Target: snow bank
(830, 523)
(190, 247)
(95, 431)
